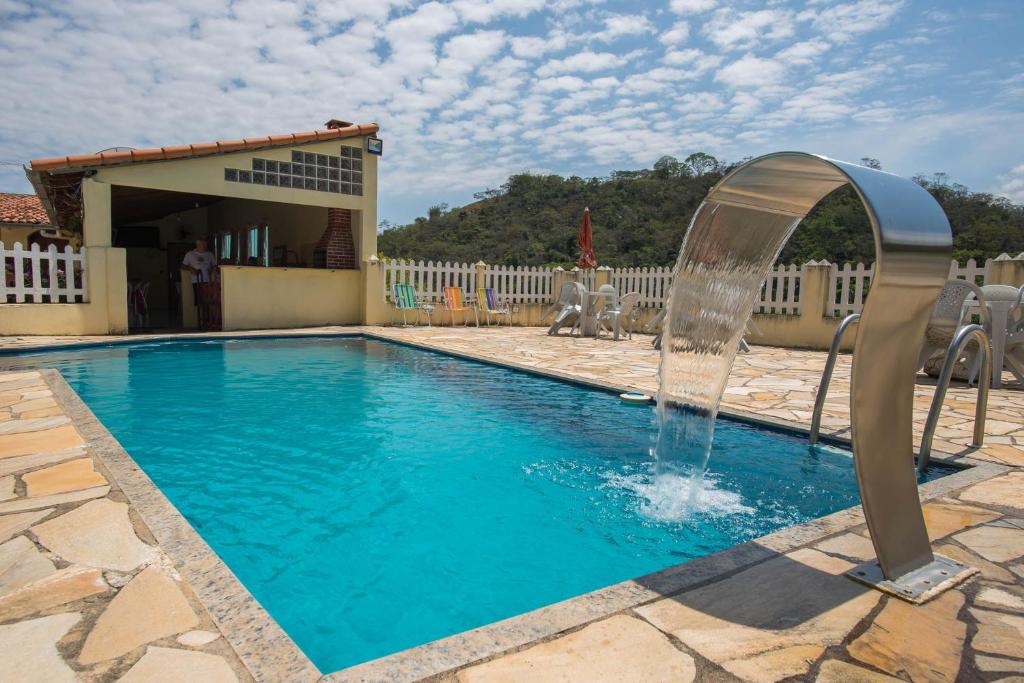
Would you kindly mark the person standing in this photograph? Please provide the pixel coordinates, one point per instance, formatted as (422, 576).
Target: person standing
(201, 262)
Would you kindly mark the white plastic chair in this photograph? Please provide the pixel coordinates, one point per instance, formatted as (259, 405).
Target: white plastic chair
(1013, 336)
(567, 308)
(949, 314)
(613, 316)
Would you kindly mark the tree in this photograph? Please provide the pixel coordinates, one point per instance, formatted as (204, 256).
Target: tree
(641, 215)
(871, 163)
(700, 163)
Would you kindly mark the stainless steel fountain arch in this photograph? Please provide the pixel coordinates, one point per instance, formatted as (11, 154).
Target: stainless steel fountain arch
(735, 236)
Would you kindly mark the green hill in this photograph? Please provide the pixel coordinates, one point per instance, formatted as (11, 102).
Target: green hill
(640, 217)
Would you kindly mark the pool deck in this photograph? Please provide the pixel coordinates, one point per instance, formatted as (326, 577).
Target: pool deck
(101, 579)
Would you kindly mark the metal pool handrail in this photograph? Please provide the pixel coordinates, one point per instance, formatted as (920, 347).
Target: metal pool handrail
(963, 336)
(826, 375)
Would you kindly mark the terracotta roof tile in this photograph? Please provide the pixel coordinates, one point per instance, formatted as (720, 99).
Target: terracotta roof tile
(199, 149)
(22, 208)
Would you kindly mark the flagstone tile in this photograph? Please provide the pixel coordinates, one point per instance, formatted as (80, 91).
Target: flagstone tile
(35, 442)
(197, 638)
(836, 671)
(11, 525)
(1004, 491)
(986, 663)
(1000, 598)
(33, 425)
(169, 665)
(73, 475)
(21, 563)
(97, 534)
(58, 588)
(30, 650)
(989, 570)
(998, 633)
(923, 642)
(150, 607)
(28, 462)
(942, 519)
(616, 649)
(998, 544)
(792, 606)
(849, 545)
(20, 504)
(7, 487)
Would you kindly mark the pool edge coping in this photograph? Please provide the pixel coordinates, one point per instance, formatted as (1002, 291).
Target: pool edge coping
(222, 593)
(263, 646)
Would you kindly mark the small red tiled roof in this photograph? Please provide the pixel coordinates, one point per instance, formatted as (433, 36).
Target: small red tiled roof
(24, 209)
(200, 149)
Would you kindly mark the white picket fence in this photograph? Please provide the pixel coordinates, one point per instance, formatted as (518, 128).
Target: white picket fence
(37, 276)
(520, 284)
(652, 283)
(780, 293)
(849, 285)
(429, 278)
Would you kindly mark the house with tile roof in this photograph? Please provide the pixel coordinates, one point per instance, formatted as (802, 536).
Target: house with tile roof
(291, 220)
(20, 216)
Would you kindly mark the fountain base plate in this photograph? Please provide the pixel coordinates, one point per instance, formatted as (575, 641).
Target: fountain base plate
(917, 586)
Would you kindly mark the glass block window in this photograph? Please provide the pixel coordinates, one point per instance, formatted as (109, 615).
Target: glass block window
(342, 174)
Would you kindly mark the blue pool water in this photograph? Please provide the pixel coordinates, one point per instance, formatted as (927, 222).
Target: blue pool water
(374, 497)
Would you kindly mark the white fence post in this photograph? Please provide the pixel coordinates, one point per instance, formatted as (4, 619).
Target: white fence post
(40, 281)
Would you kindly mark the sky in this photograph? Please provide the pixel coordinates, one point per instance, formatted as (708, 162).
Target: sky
(468, 92)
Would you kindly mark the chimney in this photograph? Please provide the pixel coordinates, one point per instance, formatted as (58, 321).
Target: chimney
(336, 248)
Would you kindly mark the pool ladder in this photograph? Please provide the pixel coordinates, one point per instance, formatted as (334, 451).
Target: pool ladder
(963, 336)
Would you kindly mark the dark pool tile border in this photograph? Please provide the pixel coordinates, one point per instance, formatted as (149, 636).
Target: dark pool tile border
(265, 649)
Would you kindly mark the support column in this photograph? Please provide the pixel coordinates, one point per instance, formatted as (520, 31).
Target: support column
(1006, 270)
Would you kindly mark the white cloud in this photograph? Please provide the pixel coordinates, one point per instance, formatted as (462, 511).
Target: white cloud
(676, 35)
(732, 30)
(582, 62)
(486, 11)
(805, 52)
(618, 25)
(691, 6)
(841, 23)
(1011, 185)
(697, 63)
(751, 72)
(699, 103)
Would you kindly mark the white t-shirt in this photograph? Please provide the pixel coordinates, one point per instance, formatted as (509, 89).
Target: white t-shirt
(203, 260)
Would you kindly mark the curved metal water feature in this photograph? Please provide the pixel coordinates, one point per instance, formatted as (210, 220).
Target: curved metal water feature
(732, 242)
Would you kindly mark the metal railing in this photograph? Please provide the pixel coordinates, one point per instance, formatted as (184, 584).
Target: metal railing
(964, 336)
(826, 375)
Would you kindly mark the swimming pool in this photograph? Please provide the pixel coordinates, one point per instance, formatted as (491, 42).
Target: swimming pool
(374, 497)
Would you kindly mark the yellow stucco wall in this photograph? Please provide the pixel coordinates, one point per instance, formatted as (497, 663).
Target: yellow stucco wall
(9, 234)
(106, 312)
(255, 297)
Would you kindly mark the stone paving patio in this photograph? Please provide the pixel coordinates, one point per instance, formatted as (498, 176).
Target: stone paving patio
(88, 593)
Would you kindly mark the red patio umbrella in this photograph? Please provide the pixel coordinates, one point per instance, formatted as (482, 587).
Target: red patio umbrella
(586, 242)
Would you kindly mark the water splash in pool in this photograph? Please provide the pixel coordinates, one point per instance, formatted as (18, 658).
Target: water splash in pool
(714, 285)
